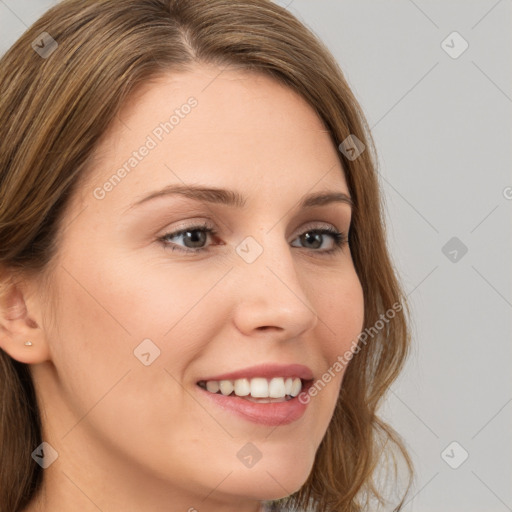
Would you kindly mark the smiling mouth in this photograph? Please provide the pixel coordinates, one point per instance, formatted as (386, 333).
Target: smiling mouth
(258, 389)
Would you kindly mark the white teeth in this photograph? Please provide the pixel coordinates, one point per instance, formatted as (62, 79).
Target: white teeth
(212, 386)
(226, 387)
(296, 387)
(242, 387)
(288, 385)
(276, 388)
(259, 387)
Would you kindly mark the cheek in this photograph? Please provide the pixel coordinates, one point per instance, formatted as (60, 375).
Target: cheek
(108, 306)
(160, 299)
(341, 309)
(103, 315)
(91, 345)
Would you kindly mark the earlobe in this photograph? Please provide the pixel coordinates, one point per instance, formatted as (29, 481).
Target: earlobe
(21, 336)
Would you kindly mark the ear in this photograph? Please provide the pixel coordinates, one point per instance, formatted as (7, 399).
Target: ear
(21, 321)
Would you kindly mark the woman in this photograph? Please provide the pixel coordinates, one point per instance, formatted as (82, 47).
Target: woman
(199, 311)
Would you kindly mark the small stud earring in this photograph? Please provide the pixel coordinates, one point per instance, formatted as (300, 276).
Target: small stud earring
(28, 343)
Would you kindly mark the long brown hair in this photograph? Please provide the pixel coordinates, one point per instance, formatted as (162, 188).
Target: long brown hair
(55, 108)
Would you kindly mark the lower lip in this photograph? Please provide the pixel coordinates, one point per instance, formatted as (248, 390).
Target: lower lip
(271, 414)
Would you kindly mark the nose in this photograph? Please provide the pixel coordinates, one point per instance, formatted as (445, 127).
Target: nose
(270, 294)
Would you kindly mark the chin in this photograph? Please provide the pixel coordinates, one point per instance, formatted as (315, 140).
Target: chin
(271, 481)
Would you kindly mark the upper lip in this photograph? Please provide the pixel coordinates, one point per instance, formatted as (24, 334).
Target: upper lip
(268, 370)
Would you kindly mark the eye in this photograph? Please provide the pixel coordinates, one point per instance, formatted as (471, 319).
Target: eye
(193, 242)
(194, 239)
(316, 238)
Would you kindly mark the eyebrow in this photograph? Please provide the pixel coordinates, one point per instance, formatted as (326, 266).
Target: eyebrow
(234, 199)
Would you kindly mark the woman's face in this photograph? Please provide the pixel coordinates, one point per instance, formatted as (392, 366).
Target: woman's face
(145, 313)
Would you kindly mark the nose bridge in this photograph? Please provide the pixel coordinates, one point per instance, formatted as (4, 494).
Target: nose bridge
(271, 291)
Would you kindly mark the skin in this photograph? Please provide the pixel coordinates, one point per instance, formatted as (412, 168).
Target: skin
(132, 437)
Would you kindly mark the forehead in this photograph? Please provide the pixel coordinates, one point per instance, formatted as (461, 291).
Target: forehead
(217, 126)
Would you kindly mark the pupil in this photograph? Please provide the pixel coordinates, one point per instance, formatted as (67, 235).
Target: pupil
(315, 238)
(194, 239)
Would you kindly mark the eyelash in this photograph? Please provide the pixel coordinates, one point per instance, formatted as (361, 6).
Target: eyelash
(340, 238)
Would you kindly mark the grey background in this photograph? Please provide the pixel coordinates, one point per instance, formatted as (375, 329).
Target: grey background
(442, 126)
